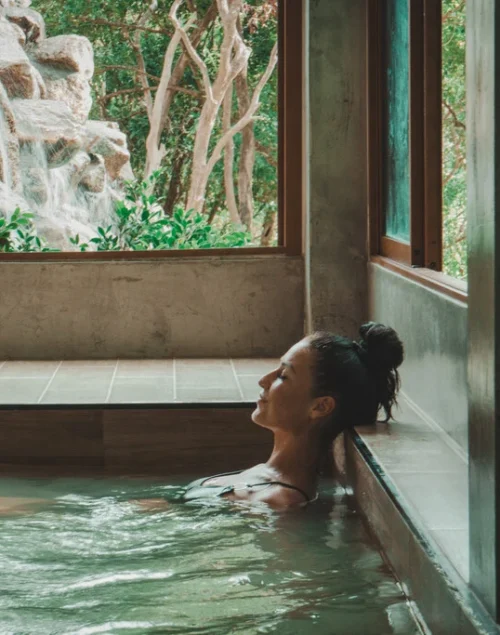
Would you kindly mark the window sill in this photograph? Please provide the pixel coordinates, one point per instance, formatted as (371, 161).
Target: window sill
(72, 256)
(451, 287)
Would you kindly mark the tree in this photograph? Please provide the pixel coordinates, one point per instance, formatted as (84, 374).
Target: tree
(190, 82)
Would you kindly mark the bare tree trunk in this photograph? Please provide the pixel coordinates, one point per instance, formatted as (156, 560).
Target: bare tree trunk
(268, 229)
(174, 184)
(165, 94)
(247, 156)
(234, 56)
(231, 203)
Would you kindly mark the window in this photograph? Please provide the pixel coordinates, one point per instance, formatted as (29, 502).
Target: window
(212, 134)
(406, 93)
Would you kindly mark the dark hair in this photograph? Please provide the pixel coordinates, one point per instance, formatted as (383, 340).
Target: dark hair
(361, 375)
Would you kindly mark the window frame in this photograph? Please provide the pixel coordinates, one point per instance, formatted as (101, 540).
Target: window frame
(421, 258)
(290, 184)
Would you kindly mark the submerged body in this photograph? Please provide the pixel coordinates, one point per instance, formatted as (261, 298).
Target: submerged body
(90, 564)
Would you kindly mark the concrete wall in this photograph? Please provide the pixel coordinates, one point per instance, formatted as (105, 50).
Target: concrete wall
(483, 234)
(336, 227)
(433, 328)
(206, 306)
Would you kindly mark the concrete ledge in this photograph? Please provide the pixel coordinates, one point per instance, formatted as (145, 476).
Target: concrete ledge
(445, 601)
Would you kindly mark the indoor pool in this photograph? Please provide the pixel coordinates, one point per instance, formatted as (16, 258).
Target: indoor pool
(87, 560)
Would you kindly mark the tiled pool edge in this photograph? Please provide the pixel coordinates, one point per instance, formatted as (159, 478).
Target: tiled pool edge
(445, 601)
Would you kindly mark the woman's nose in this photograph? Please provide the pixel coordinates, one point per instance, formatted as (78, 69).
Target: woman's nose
(264, 381)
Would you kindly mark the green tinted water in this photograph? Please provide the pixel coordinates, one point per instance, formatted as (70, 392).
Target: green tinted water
(91, 562)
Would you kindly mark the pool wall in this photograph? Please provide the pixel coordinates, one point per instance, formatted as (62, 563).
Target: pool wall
(133, 440)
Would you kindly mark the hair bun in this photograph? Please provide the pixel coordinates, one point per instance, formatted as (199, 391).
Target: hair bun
(382, 345)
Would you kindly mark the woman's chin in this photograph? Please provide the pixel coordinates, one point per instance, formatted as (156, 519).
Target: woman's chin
(258, 415)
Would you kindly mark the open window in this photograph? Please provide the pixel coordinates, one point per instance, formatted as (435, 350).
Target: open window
(208, 98)
(409, 148)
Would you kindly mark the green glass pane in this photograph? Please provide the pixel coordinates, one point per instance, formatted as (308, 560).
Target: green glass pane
(397, 133)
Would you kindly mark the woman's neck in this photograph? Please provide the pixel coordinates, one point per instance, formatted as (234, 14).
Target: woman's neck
(296, 458)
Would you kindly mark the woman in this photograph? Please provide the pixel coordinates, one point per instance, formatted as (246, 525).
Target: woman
(324, 385)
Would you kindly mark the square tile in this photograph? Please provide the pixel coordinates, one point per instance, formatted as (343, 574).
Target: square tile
(88, 363)
(250, 386)
(260, 366)
(203, 364)
(203, 393)
(83, 373)
(144, 368)
(38, 370)
(142, 390)
(205, 378)
(21, 390)
(81, 388)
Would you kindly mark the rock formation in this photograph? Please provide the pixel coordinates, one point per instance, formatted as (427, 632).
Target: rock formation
(54, 161)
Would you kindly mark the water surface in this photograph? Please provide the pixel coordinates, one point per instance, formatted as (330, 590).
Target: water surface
(90, 561)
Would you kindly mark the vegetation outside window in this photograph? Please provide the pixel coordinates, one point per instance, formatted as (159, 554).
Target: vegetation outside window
(157, 126)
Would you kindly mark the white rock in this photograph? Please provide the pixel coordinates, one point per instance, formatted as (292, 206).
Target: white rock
(10, 31)
(15, 3)
(16, 71)
(50, 122)
(68, 52)
(71, 88)
(94, 176)
(9, 149)
(105, 139)
(31, 22)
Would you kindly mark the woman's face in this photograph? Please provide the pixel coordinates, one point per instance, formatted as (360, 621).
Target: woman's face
(286, 399)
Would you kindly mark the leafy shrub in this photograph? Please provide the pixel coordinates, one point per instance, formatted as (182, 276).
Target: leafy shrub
(142, 225)
(19, 234)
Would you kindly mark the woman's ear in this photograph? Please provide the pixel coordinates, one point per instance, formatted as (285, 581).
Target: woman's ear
(323, 407)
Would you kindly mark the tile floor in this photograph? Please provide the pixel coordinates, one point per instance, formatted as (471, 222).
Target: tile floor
(132, 381)
(431, 474)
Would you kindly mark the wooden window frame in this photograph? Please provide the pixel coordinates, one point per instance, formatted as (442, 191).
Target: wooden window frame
(421, 258)
(290, 157)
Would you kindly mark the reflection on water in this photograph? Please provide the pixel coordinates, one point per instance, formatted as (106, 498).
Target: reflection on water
(91, 562)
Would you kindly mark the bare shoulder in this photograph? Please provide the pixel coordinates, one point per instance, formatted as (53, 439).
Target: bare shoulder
(281, 498)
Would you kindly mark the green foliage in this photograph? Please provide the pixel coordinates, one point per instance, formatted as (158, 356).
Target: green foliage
(454, 151)
(118, 95)
(142, 225)
(19, 234)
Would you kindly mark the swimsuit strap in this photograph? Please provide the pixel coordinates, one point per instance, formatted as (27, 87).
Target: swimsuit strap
(230, 488)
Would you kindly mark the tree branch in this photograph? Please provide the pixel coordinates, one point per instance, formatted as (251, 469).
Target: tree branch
(191, 50)
(247, 117)
(456, 120)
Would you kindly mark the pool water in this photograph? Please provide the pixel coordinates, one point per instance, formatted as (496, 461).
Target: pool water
(87, 560)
